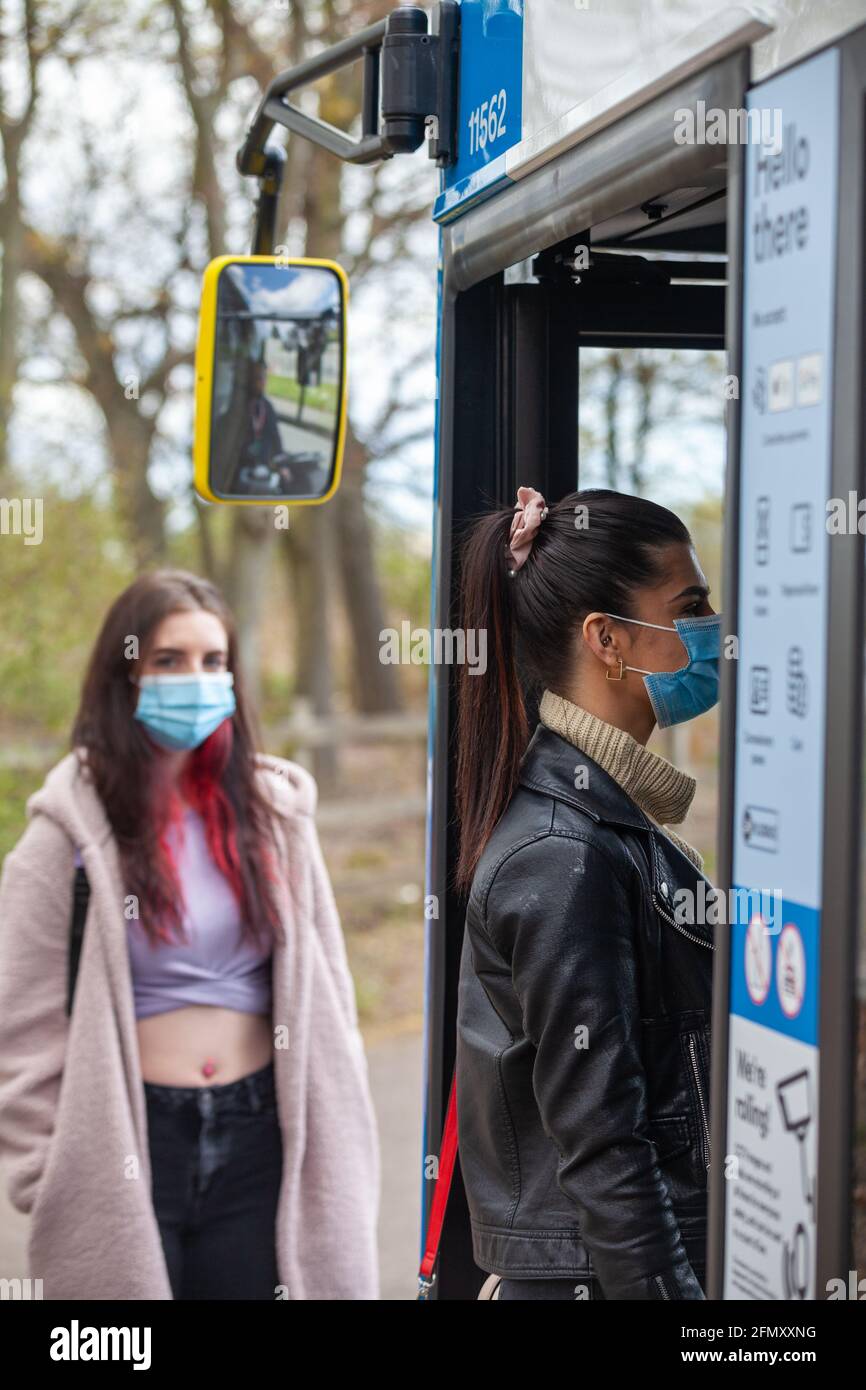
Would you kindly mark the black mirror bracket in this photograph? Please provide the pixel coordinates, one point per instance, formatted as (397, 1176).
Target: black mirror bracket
(413, 71)
(270, 183)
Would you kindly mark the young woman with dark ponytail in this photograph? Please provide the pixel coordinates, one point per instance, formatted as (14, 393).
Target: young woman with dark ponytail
(585, 989)
(199, 1124)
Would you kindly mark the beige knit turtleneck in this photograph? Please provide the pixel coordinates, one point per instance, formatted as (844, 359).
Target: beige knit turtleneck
(658, 788)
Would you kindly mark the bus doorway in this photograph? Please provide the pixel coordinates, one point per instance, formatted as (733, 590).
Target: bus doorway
(597, 360)
(628, 244)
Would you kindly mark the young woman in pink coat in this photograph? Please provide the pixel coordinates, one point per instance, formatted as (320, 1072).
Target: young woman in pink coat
(200, 1125)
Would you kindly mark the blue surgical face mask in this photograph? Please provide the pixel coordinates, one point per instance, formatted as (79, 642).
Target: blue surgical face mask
(181, 711)
(680, 695)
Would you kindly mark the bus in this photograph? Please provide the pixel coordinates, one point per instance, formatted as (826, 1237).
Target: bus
(666, 174)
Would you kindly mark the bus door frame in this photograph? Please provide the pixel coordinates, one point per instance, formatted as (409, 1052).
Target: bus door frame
(500, 423)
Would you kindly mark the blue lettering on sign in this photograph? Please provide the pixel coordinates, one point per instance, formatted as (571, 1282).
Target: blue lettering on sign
(490, 91)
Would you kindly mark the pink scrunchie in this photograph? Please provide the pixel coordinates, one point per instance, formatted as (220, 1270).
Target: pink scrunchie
(530, 511)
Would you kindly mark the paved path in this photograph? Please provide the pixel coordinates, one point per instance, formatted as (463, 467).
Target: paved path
(396, 1083)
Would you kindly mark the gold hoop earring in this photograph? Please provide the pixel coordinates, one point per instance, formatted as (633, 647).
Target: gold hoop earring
(620, 677)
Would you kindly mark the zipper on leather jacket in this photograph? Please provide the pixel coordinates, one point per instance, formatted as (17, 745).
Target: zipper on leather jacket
(679, 926)
(697, 1075)
(660, 1284)
(662, 911)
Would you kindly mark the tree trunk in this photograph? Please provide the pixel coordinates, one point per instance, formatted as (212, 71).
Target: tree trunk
(209, 564)
(143, 514)
(248, 567)
(12, 239)
(310, 546)
(646, 373)
(611, 417)
(377, 686)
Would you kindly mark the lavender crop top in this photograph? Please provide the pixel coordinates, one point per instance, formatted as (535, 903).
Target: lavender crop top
(214, 964)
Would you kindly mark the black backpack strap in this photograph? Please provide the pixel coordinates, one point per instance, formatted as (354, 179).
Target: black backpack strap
(80, 899)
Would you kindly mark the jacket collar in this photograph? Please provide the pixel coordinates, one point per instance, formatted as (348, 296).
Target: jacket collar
(549, 764)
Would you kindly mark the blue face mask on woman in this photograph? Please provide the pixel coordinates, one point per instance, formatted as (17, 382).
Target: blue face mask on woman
(181, 711)
(680, 695)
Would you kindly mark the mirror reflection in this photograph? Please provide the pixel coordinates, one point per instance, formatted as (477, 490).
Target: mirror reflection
(277, 381)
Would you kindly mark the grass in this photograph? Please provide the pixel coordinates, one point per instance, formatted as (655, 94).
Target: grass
(15, 787)
(322, 397)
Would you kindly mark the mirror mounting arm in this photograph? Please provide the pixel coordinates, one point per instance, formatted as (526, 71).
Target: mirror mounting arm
(270, 182)
(418, 82)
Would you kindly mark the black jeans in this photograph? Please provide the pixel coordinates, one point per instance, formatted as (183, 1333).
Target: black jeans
(216, 1158)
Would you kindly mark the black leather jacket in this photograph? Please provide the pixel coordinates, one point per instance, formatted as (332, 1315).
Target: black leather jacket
(583, 1040)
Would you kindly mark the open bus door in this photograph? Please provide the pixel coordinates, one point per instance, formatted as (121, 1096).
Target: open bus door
(581, 253)
(567, 205)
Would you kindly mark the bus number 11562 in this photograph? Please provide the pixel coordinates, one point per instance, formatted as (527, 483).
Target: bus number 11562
(487, 122)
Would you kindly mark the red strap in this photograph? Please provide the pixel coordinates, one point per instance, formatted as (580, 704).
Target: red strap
(447, 1158)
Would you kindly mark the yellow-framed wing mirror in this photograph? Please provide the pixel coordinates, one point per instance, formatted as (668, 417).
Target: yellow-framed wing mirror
(270, 388)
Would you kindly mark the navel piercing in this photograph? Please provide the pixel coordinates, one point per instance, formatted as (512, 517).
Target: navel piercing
(209, 1067)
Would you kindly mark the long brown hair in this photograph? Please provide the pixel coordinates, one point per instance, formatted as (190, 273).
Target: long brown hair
(593, 550)
(130, 774)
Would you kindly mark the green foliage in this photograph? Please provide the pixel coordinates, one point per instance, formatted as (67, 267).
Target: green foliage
(55, 596)
(404, 572)
(277, 693)
(15, 787)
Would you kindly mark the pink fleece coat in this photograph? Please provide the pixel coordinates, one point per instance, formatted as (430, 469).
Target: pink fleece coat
(73, 1122)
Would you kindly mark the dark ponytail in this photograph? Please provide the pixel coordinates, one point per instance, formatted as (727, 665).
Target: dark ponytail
(492, 728)
(593, 551)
